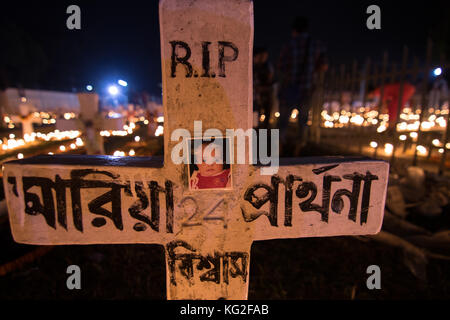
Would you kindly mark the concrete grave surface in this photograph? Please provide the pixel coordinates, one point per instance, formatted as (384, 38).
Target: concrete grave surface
(206, 48)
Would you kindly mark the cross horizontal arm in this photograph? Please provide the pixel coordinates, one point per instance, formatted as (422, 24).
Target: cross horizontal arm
(88, 199)
(311, 197)
(102, 199)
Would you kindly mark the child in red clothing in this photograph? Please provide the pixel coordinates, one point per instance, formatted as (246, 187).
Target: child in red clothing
(211, 172)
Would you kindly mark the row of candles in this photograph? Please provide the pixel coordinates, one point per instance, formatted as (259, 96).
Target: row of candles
(62, 148)
(28, 139)
(118, 153)
(49, 118)
(409, 123)
(13, 143)
(421, 150)
(79, 143)
(409, 120)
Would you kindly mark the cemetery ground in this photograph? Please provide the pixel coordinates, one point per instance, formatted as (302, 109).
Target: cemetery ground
(414, 262)
(328, 268)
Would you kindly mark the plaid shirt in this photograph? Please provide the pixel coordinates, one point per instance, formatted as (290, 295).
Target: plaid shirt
(298, 61)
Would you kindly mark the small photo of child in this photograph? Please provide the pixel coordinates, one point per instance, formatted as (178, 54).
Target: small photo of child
(209, 168)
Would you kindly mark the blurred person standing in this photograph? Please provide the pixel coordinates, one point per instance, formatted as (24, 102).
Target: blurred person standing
(300, 63)
(438, 96)
(391, 99)
(262, 85)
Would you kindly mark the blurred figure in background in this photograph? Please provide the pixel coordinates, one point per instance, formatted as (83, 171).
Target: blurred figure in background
(262, 86)
(391, 96)
(439, 93)
(300, 62)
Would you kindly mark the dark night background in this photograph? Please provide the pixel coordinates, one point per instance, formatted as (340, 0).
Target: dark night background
(120, 39)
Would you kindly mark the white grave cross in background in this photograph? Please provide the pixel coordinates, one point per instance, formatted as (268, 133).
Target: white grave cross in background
(207, 234)
(90, 122)
(26, 118)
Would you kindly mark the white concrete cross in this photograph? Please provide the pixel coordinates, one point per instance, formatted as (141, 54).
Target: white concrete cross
(90, 123)
(206, 50)
(26, 119)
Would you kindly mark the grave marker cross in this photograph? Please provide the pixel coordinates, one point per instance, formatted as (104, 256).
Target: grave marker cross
(90, 123)
(207, 234)
(26, 119)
